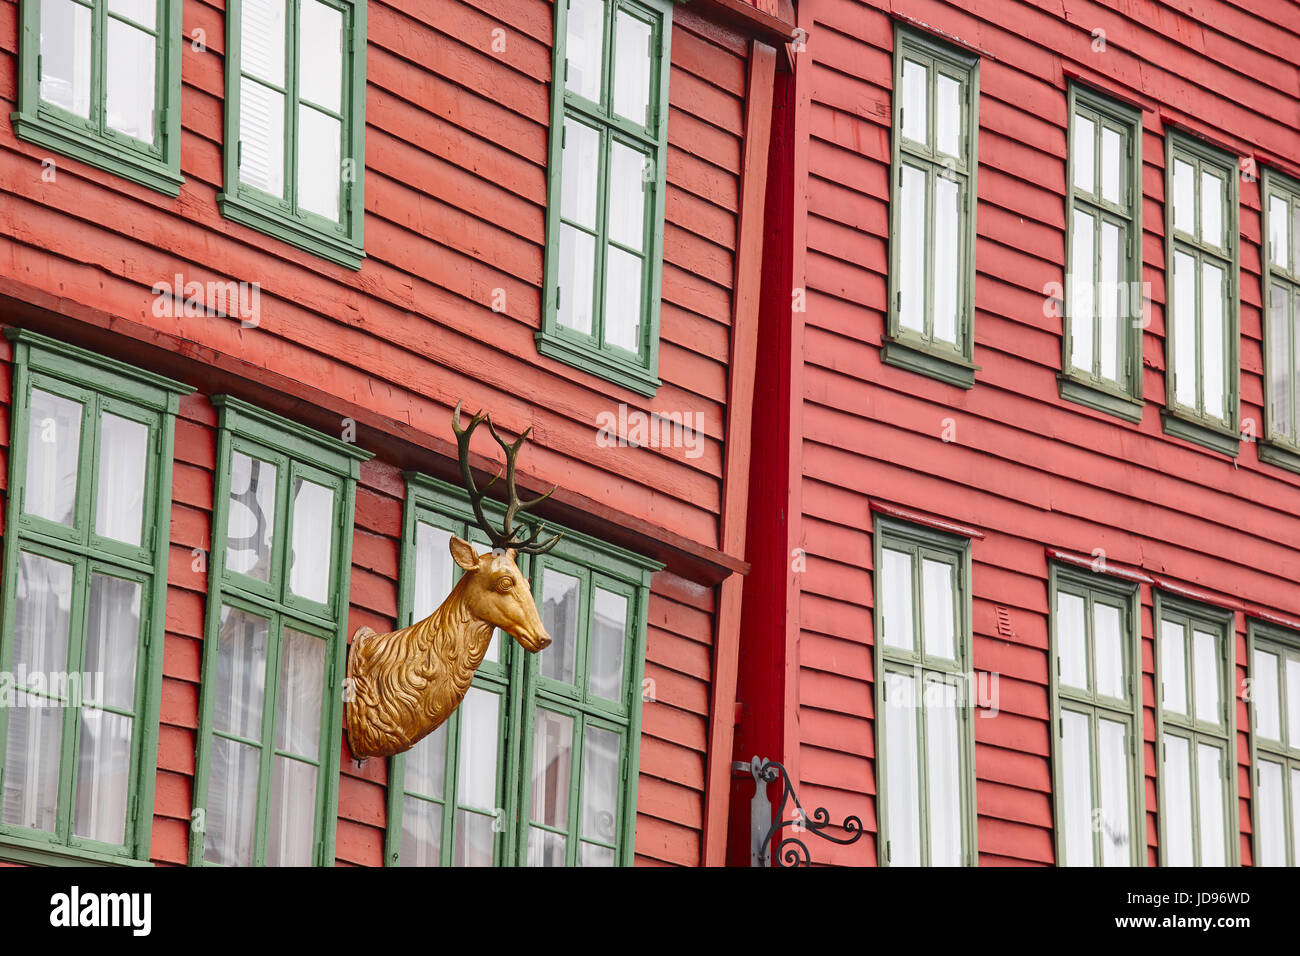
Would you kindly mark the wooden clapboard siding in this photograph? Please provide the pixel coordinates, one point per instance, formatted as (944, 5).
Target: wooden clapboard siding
(1027, 469)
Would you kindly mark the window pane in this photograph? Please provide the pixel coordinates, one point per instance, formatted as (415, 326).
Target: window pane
(1112, 751)
(1108, 638)
(1295, 246)
(560, 618)
(31, 778)
(1082, 152)
(1280, 361)
(298, 702)
(313, 527)
(552, 758)
(1176, 779)
(1272, 815)
(947, 238)
(41, 618)
(589, 855)
(584, 47)
(903, 789)
(1184, 326)
(580, 173)
(251, 523)
(1173, 668)
(1209, 767)
(142, 12)
(53, 449)
(623, 299)
(1277, 232)
(119, 492)
(103, 777)
(1295, 815)
(939, 610)
(1212, 210)
(948, 110)
(432, 570)
(112, 638)
(545, 848)
(576, 279)
(1076, 788)
(1264, 693)
(627, 195)
(1112, 169)
(320, 164)
(1184, 197)
(600, 789)
(475, 842)
(65, 56)
(911, 256)
(261, 39)
(426, 765)
(914, 101)
(895, 580)
(261, 138)
(231, 819)
(1212, 347)
(608, 637)
(1109, 299)
(944, 768)
(1206, 675)
(321, 78)
(291, 816)
(1072, 648)
(1293, 701)
(130, 59)
(241, 674)
(1082, 289)
(421, 833)
(480, 731)
(633, 38)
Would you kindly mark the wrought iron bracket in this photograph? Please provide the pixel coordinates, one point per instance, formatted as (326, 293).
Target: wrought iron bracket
(765, 826)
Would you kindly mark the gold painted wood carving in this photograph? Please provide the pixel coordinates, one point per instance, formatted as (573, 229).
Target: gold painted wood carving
(404, 684)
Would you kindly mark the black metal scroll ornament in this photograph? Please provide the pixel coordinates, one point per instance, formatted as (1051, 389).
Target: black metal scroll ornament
(790, 850)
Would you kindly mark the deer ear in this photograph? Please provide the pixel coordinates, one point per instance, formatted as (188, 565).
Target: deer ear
(463, 553)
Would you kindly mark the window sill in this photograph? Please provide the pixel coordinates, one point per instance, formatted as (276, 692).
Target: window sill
(639, 380)
(1098, 398)
(95, 151)
(1274, 453)
(1209, 436)
(946, 367)
(36, 853)
(334, 248)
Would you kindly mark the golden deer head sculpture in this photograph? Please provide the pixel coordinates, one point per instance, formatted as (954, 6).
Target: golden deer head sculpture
(404, 684)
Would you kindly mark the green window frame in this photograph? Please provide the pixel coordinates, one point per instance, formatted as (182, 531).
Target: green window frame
(85, 130)
(107, 572)
(260, 78)
(1190, 638)
(938, 159)
(1202, 404)
(593, 175)
(438, 792)
(1280, 226)
(275, 629)
(1095, 686)
(913, 739)
(1101, 355)
(1275, 743)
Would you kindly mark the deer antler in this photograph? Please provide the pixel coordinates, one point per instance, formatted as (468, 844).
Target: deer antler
(505, 538)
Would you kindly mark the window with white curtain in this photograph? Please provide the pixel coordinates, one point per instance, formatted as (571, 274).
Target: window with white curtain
(269, 739)
(84, 581)
(295, 103)
(1275, 716)
(1096, 725)
(924, 734)
(1280, 196)
(562, 762)
(102, 84)
(1197, 783)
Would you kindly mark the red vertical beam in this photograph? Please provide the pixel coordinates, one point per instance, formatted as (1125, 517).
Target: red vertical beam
(740, 400)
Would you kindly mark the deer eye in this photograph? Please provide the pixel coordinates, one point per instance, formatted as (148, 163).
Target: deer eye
(505, 583)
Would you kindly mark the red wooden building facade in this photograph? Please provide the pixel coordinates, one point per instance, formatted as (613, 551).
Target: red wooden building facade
(1029, 435)
(351, 197)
